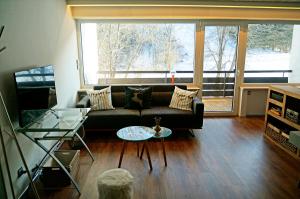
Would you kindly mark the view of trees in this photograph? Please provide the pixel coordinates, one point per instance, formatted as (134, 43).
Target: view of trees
(139, 47)
(220, 48)
(276, 37)
(221, 41)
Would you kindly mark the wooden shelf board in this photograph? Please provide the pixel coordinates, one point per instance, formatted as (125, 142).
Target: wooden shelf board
(277, 103)
(292, 91)
(192, 87)
(292, 124)
(254, 87)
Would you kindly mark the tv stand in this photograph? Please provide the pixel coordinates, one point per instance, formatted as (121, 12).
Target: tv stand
(58, 125)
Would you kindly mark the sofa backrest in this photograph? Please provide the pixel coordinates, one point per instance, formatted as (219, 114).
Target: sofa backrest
(161, 94)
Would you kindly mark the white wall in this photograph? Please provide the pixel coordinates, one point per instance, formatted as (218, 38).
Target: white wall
(253, 101)
(37, 32)
(295, 56)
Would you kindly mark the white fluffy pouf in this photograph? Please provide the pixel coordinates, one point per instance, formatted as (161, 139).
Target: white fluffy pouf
(115, 184)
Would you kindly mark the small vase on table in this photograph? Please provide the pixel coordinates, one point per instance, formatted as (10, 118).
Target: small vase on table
(157, 126)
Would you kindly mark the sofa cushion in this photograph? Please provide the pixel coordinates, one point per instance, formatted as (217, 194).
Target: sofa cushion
(182, 99)
(112, 119)
(117, 94)
(172, 118)
(100, 99)
(137, 97)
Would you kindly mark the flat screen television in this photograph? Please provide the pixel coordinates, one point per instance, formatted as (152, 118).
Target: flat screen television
(36, 93)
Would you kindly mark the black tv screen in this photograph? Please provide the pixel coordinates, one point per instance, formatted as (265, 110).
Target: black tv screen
(36, 93)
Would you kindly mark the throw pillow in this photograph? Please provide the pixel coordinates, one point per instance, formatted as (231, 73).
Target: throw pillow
(101, 99)
(182, 99)
(138, 98)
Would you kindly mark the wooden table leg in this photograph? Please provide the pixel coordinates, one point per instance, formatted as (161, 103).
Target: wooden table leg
(142, 152)
(138, 149)
(122, 153)
(148, 155)
(164, 151)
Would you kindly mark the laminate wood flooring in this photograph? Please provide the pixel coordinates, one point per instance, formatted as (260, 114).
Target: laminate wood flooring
(228, 158)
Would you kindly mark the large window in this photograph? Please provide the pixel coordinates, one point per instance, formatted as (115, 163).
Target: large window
(138, 53)
(271, 53)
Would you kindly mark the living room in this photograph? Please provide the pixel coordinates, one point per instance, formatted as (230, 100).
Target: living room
(230, 157)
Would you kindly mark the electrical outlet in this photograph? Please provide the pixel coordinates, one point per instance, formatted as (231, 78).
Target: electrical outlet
(20, 172)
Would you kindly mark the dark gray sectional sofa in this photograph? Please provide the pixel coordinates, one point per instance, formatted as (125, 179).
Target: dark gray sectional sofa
(121, 117)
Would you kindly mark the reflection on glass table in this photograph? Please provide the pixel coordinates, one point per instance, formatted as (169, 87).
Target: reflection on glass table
(58, 120)
(58, 125)
(135, 133)
(163, 133)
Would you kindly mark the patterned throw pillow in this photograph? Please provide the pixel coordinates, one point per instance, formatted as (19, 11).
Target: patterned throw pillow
(138, 98)
(182, 99)
(101, 99)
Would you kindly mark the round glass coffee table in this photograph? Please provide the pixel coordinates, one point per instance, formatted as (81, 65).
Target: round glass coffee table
(135, 134)
(163, 133)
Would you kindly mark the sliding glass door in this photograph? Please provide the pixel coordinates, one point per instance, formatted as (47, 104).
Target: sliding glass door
(219, 68)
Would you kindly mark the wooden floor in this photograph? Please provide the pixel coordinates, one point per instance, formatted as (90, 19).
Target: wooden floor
(229, 158)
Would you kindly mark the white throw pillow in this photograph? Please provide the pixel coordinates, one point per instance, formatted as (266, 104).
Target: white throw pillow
(182, 99)
(101, 99)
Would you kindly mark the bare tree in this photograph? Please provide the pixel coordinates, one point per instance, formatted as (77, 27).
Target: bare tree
(122, 45)
(218, 46)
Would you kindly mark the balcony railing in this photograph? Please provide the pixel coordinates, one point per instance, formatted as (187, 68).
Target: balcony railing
(222, 82)
(215, 83)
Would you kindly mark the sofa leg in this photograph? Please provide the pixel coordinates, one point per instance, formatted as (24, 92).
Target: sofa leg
(192, 132)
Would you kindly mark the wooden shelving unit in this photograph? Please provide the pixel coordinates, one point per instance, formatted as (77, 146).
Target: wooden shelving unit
(282, 116)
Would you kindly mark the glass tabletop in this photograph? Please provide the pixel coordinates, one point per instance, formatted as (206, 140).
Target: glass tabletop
(135, 133)
(164, 132)
(58, 120)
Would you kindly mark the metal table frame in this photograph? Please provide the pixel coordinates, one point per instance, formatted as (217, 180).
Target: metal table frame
(66, 134)
(132, 134)
(162, 140)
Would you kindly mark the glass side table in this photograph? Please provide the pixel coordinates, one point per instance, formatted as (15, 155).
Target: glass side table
(58, 125)
(163, 133)
(135, 134)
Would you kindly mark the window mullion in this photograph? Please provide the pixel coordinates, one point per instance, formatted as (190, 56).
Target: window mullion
(199, 53)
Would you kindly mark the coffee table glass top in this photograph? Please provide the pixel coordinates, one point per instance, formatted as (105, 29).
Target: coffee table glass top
(164, 132)
(135, 133)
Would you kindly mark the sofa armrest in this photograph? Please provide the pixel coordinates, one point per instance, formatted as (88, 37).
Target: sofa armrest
(198, 107)
(84, 102)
